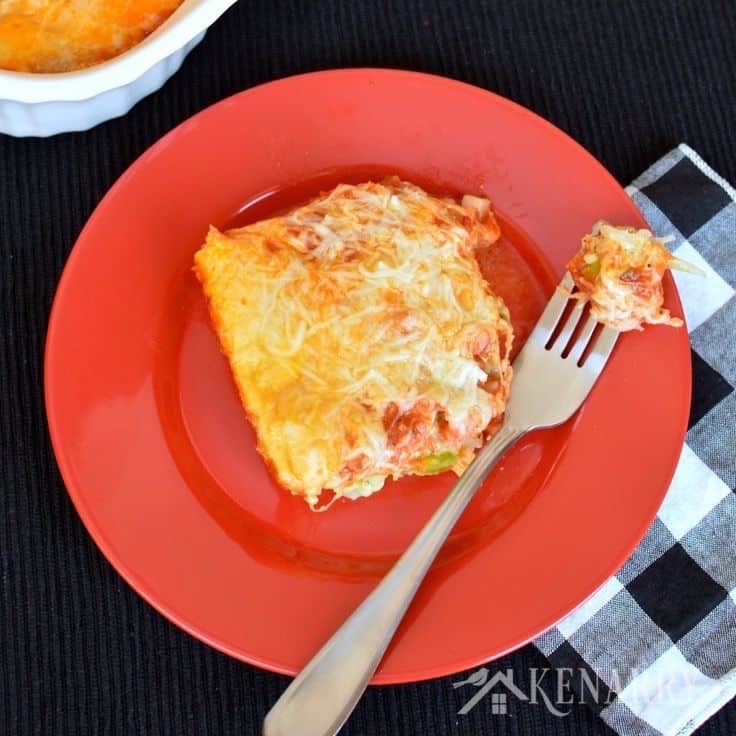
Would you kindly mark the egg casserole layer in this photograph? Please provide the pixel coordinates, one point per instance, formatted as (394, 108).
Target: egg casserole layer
(362, 337)
(64, 35)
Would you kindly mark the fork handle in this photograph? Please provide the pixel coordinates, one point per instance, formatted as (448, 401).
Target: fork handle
(323, 695)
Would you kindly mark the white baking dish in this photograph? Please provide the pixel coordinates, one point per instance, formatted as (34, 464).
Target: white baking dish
(45, 104)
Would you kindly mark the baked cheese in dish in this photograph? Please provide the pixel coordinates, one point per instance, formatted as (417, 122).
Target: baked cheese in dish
(64, 35)
(362, 337)
(619, 270)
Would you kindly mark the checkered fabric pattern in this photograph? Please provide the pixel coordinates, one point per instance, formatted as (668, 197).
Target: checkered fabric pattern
(659, 638)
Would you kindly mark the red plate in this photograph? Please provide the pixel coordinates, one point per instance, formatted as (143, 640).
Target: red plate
(159, 459)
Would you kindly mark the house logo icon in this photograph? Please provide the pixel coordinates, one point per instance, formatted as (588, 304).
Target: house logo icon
(484, 685)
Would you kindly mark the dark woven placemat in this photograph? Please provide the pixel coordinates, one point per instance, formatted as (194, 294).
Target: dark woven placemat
(80, 652)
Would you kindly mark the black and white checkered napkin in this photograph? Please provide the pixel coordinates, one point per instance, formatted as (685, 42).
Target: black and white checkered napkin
(659, 638)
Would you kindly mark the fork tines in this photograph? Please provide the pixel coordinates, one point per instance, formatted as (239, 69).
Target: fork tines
(567, 329)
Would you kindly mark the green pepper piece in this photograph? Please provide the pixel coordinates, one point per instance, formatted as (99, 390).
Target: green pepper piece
(439, 462)
(591, 270)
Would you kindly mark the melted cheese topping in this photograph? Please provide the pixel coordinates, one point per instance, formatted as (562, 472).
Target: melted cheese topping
(63, 35)
(362, 338)
(620, 270)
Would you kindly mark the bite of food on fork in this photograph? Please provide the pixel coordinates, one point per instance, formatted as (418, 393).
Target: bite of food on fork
(619, 270)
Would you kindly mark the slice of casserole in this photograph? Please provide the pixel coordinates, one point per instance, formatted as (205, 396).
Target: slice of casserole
(362, 338)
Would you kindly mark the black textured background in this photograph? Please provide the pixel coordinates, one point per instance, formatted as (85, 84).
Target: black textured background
(80, 653)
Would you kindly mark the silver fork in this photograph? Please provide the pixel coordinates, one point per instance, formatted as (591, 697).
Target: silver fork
(547, 390)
